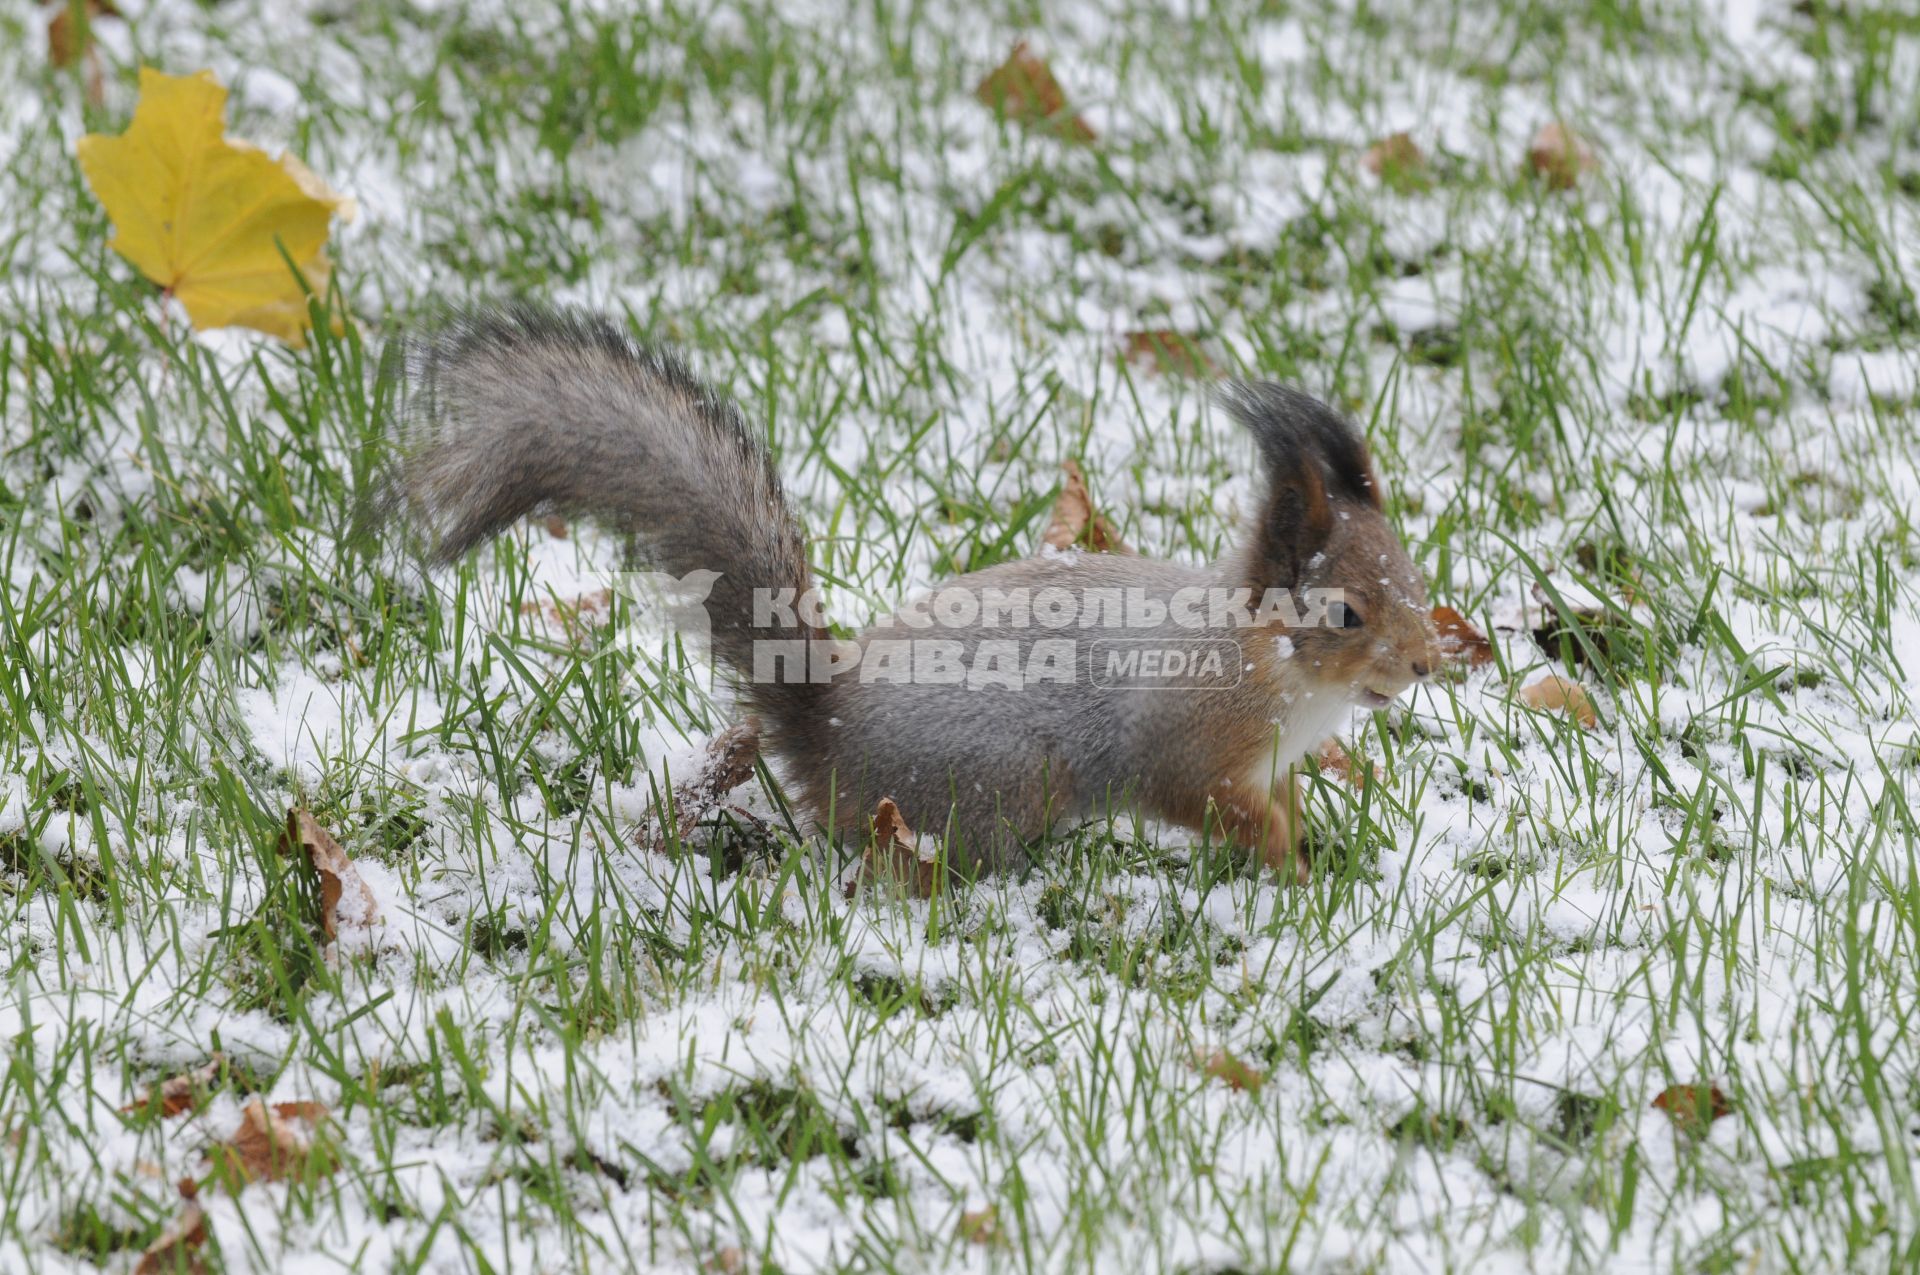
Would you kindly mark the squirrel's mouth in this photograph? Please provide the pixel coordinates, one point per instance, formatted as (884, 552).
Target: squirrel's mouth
(1374, 699)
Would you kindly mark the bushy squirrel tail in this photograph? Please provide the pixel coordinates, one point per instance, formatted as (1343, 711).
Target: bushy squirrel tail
(516, 409)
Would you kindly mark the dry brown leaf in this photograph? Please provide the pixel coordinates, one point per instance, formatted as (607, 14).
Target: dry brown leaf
(727, 1261)
(176, 1094)
(1397, 161)
(266, 1146)
(1167, 351)
(1334, 759)
(556, 526)
(1554, 693)
(344, 897)
(728, 763)
(1221, 1065)
(1460, 643)
(981, 1226)
(1023, 88)
(62, 50)
(176, 1250)
(1559, 155)
(895, 856)
(311, 1112)
(1075, 521)
(577, 617)
(1393, 150)
(1693, 1108)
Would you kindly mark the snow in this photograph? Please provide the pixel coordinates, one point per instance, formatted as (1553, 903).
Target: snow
(1088, 1079)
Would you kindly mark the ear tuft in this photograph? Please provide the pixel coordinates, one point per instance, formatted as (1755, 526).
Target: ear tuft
(1296, 431)
(1313, 458)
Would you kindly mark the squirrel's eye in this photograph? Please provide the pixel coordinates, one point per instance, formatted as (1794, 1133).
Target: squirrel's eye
(1350, 618)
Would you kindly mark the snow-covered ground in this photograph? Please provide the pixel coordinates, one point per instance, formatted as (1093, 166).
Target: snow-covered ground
(1676, 403)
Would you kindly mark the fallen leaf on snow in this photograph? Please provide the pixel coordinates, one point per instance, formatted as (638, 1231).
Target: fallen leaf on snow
(576, 617)
(266, 1146)
(981, 1226)
(344, 897)
(895, 856)
(1334, 759)
(65, 46)
(311, 1112)
(1075, 521)
(207, 217)
(1559, 155)
(1460, 643)
(1693, 1108)
(728, 763)
(1023, 88)
(176, 1094)
(1167, 351)
(176, 1250)
(1554, 693)
(1397, 161)
(1221, 1065)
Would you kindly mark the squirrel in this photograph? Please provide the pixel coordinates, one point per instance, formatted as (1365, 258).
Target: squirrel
(987, 718)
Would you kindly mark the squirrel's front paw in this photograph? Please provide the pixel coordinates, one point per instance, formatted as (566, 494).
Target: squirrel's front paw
(1289, 863)
(1269, 825)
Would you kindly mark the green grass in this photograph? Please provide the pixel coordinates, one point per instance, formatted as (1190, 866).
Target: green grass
(1673, 412)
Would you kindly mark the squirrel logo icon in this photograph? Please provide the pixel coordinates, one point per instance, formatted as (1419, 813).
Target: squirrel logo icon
(667, 605)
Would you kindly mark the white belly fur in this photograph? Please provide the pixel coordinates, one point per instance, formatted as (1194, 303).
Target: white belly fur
(1310, 722)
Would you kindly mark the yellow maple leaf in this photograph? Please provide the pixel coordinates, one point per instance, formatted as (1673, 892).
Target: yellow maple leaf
(206, 216)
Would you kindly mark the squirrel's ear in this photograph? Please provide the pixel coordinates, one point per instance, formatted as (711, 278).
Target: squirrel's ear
(1294, 523)
(1312, 457)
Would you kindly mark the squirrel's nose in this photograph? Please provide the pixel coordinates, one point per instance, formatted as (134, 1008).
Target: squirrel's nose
(1420, 668)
